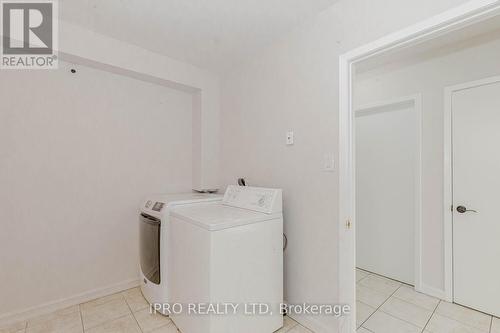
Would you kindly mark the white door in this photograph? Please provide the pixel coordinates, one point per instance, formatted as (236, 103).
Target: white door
(386, 190)
(476, 188)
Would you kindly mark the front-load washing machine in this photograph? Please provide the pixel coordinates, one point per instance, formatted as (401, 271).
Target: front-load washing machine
(154, 228)
(226, 264)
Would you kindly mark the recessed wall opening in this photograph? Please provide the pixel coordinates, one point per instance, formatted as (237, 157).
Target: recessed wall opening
(94, 135)
(388, 189)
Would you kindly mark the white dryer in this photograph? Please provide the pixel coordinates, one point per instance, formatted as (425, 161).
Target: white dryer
(228, 252)
(154, 227)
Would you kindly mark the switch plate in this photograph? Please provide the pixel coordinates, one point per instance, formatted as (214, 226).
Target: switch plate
(328, 162)
(289, 138)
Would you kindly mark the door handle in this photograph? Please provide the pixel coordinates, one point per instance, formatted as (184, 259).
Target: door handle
(463, 209)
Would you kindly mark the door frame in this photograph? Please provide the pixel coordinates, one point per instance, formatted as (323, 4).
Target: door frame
(448, 176)
(454, 19)
(416, 102)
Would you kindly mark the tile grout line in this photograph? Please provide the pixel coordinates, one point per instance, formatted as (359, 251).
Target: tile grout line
(460, 321)
(364, 277)
(290, 328)
(392, 296)
(433, 312)
(432, 315)
(403, 320)
(120, 317)
(106, 302)
(111, 300)
(406, 321)
(106, 322)
(26, 325)
(418, 306)
(380, 307)
(296, 324)
(81, 317)
(467, 324)
(149, 307)
(132, 312)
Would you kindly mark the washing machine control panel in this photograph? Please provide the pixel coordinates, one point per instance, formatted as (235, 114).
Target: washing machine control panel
(158, 206)
(155, 206)
(264, 200)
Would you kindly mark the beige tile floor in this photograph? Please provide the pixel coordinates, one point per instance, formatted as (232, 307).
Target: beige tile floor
(383, 305)
(125, 312)
(388, 306)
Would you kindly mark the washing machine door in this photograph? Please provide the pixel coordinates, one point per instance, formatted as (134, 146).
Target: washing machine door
(150, 229)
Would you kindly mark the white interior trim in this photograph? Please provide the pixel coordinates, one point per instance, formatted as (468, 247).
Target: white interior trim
(416, 102)
(46, 308)
(454, 19)
(434, 292)
(448, 177)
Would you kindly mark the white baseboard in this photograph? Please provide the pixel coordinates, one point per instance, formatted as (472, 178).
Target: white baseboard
(49, 307)
(431, 291)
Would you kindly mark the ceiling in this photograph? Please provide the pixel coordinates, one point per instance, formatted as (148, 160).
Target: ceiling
(212, 34)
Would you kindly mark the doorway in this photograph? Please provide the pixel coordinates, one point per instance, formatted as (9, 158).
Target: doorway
(451, 24)
(472, 182)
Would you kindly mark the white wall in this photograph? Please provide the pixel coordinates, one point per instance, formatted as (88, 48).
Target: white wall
(113, 54)
(386, 189)
(294, 85)
(78, 152)
(430, 77)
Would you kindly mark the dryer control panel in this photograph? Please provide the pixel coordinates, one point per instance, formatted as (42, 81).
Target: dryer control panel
(259, 199)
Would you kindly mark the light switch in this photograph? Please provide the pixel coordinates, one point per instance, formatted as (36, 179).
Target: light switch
(328, 162)
(289, 138)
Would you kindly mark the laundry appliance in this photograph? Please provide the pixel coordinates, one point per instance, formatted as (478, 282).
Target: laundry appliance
(228, 254)
(154, 228)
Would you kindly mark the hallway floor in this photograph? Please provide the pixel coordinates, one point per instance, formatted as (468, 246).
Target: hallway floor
(388, 306)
